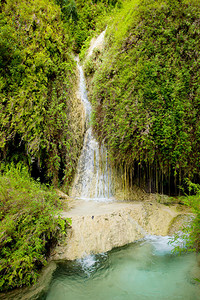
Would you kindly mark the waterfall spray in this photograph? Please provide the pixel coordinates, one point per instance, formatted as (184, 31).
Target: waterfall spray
(93, 178)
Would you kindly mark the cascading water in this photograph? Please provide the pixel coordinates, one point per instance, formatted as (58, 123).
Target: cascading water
(143, 270)
(93, 178)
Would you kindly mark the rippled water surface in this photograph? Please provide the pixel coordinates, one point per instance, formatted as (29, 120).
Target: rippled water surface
(143, 270)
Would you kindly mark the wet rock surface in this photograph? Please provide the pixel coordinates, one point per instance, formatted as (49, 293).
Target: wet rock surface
(101, 226)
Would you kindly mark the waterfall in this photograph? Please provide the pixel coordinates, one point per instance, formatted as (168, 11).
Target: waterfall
(93, 178)
(96, 43)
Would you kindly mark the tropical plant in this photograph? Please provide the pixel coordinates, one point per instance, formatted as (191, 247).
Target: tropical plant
(29, 226)
(37, 80)
(145, 92)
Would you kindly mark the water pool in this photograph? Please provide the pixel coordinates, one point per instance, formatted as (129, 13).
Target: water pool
(142, 270)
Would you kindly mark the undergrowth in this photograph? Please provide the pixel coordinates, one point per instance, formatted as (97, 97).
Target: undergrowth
(29, 226)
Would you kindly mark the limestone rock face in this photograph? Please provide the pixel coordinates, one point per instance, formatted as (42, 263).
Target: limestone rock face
(99, 227)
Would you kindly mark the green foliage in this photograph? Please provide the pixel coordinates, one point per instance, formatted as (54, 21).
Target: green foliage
(145, 90)
(192, 232)
(69, 9)
(36, 82)
(188, 240)
(28, 226)
(89, 16)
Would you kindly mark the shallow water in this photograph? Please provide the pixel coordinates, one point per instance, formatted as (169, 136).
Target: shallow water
(142, 270)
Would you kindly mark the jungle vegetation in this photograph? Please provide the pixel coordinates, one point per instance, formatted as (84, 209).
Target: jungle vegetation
(83, 19)
(40, 126)
(145, 90)
(28, 226)
(36, 89)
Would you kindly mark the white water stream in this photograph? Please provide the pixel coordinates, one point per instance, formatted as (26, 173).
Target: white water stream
(93, 178)
(96, 43)
(144, 270)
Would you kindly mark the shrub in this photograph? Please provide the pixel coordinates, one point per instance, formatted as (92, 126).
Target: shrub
(28, 226)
